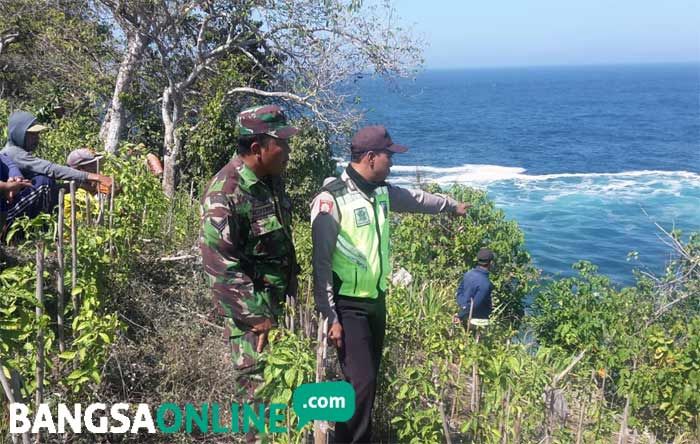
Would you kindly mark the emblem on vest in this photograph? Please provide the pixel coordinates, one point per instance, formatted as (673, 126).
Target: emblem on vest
(384, 208)
(361, 217)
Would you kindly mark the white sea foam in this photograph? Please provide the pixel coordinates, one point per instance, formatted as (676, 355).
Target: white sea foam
(462, 174)
(482, 175)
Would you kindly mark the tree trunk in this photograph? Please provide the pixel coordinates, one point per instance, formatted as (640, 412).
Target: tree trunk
(171, 111)
(113, 124)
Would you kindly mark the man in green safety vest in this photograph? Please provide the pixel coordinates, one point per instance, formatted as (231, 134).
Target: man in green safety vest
(351, 266)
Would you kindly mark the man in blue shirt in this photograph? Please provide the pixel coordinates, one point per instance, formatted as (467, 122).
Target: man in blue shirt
(474, 293)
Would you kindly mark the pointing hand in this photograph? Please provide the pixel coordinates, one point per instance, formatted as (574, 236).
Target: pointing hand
(462, 209)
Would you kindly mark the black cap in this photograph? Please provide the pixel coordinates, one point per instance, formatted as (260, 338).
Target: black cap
(484, 255)
(374, 138)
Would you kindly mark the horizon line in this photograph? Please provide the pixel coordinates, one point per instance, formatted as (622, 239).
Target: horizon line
(561, 65)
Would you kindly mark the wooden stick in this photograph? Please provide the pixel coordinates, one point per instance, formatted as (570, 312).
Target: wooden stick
(60, 287)
(443, 417)
(455, 399)
(300, 313)
(287, 312)
(506, 407)
(10, 394)
(74, 247)
(560, 376)
(622, 436)
(88, 209)
(474, 404)
(516, 428)
(6, 384)
(100, 202)
(308, 308)
(321, 427)
(111, 218)
(291, 300)
(143, 215)
(600, 409)
(101, 212)
(471, 310)
(178, 258)
(192, 207)
(551, 393)
(579, 427)
(39, 315)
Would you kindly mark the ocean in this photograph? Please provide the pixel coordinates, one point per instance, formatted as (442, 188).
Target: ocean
(588, 160)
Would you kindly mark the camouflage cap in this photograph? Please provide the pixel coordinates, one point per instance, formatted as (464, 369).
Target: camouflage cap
(267, 119)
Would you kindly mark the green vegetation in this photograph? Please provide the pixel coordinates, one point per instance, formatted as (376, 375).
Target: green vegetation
(586, 361)
(623, 343)
(636, 345)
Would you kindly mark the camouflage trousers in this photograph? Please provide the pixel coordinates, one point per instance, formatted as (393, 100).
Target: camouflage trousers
(247, 367)
(247, 362)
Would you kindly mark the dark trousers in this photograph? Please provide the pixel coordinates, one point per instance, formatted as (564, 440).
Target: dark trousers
(42, 197)
(364, 323)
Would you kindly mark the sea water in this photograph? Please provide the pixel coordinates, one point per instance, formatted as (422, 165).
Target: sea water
(594, 163)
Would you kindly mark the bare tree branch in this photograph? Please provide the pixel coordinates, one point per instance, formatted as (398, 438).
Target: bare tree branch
(278, 94)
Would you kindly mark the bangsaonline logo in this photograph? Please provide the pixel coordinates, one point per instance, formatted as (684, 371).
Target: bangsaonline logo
(326, 401)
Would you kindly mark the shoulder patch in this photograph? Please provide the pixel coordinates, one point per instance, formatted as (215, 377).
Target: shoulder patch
(219, 223)
(325, 206)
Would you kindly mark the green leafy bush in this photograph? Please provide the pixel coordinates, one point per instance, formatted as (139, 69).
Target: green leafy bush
(441, 248)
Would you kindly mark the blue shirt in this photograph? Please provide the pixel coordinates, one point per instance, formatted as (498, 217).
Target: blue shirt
(8, 168)
(476, 287)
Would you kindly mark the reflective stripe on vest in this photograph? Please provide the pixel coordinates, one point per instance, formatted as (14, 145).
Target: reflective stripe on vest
(361, 256)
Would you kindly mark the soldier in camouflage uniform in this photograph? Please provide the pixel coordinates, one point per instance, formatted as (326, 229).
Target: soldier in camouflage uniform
(246, 239)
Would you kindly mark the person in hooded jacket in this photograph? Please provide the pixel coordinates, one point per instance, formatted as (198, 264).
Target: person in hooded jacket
(22, 138)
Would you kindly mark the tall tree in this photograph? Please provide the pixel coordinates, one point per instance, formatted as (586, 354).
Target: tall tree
(140, 22)
(324, 47)
(307, 52)
(51, 51)
(200, 37)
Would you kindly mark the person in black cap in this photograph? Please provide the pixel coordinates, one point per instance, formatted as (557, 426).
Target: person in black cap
(351, 265)
(474, 293)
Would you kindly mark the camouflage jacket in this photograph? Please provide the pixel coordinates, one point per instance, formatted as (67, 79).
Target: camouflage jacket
(246, 244)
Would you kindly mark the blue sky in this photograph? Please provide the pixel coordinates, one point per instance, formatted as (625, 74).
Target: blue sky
(550, 32)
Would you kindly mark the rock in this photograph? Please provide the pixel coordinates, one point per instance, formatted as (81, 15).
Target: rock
(402, 278)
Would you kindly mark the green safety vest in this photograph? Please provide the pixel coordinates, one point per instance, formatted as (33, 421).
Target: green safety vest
(361, 255)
